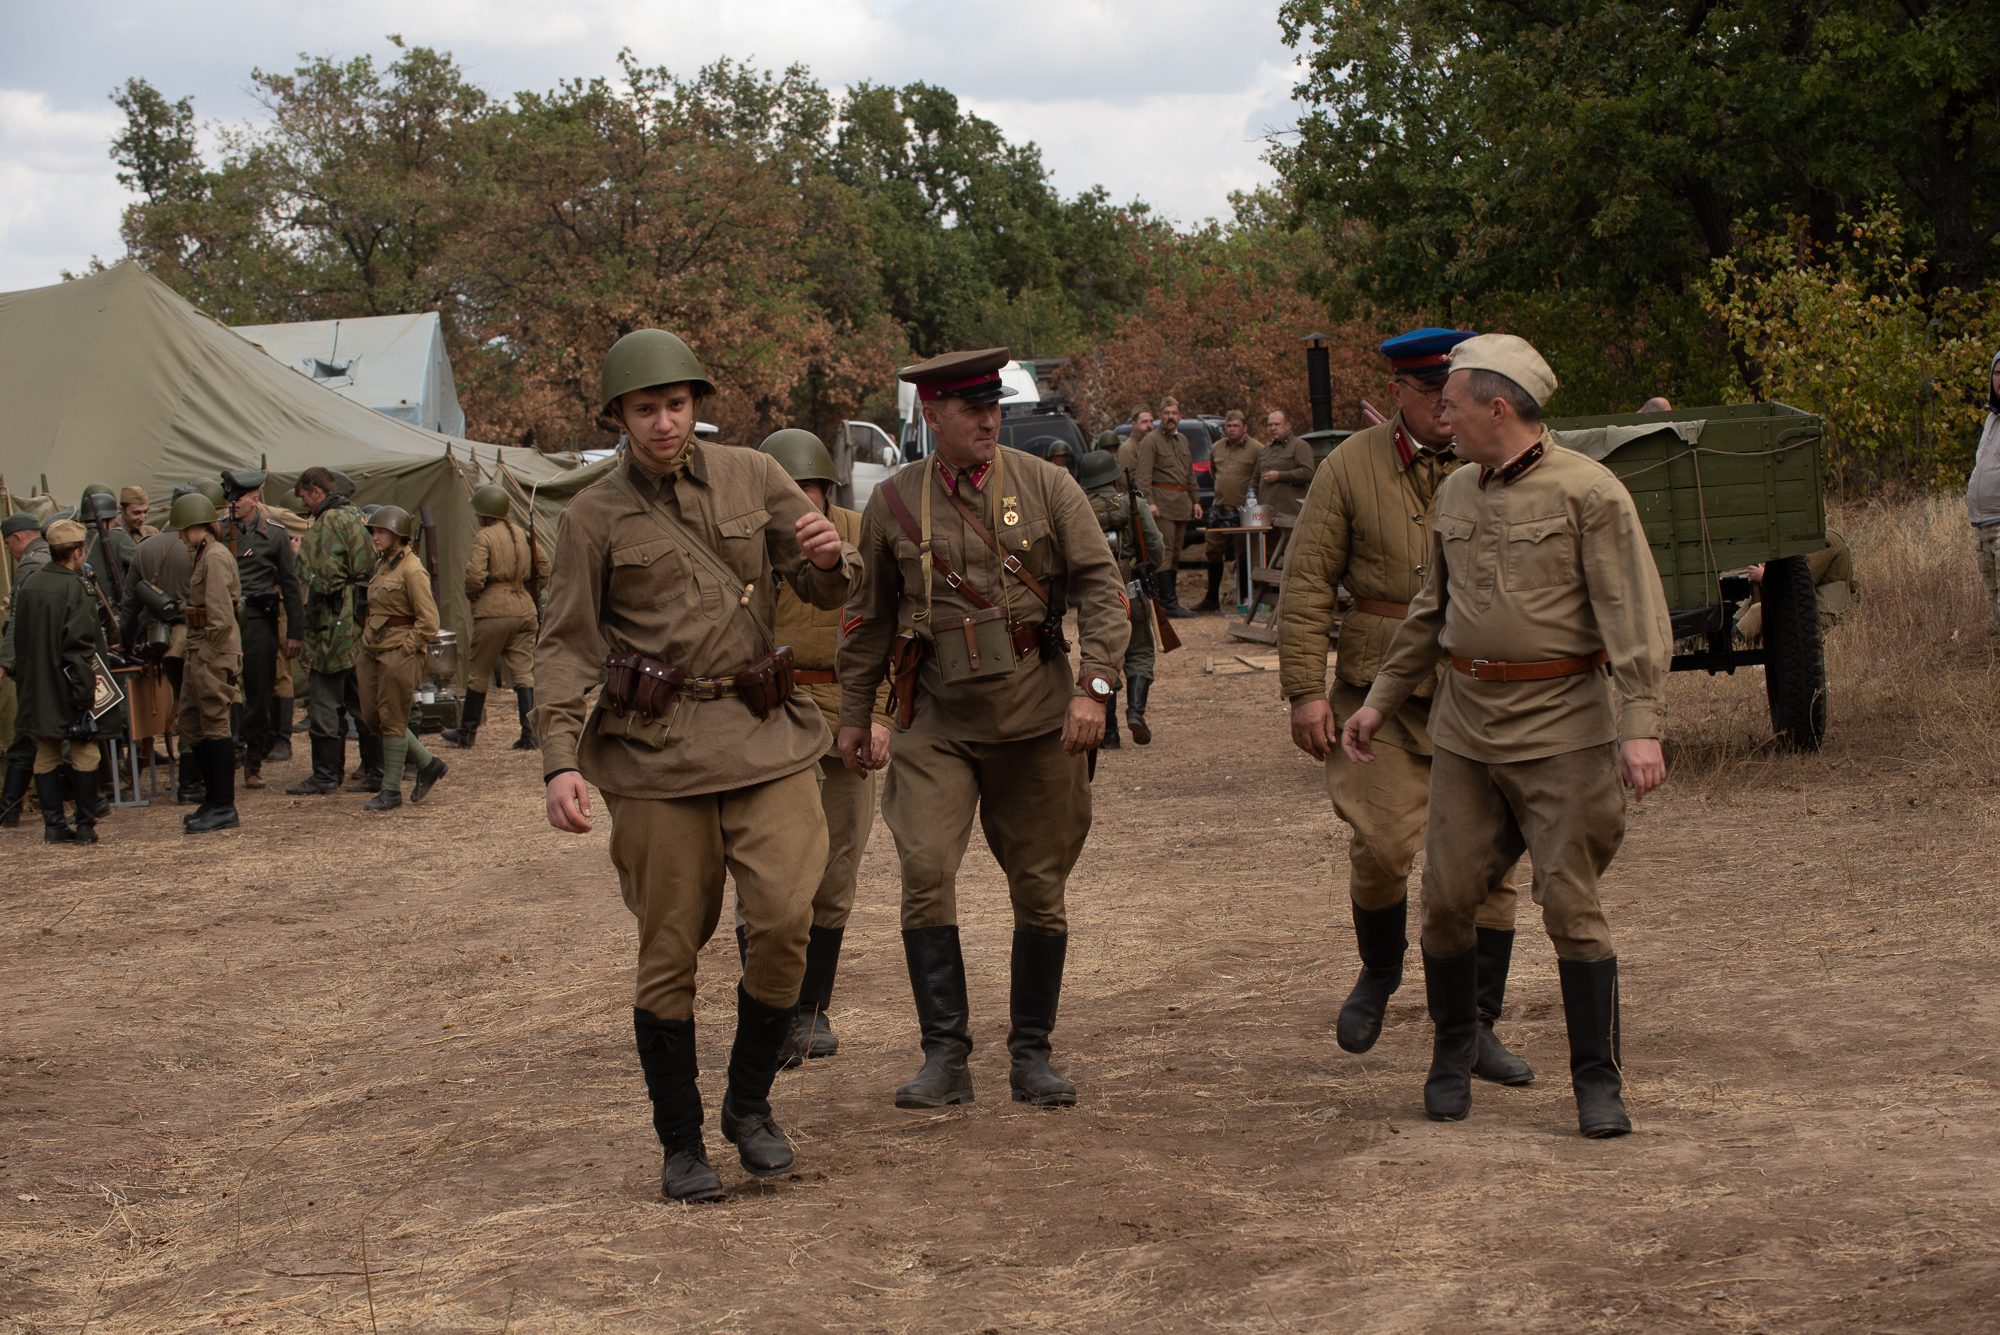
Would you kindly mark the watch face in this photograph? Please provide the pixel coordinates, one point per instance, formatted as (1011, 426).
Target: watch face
(1099, 686)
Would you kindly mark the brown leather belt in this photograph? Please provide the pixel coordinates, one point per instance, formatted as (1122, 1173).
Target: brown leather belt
(1171, 486)
(1482, 669)
(814, 676)
(1396, 611)
(397, 623)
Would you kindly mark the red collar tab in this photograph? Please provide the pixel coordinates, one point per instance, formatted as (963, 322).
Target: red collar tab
(949, 476)
(1512, 470)
(1406, 453)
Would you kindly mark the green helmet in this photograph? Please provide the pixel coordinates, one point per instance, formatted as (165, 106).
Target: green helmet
(99, 506)
(1096, 469)
(191, 509)
(648, 357)
(491, 502)
(96, 489)
(209, 487)
(800, 454)
(396, 519)
(1108, 440)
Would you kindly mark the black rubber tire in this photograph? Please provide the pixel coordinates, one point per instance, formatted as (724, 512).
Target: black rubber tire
(1795, 669)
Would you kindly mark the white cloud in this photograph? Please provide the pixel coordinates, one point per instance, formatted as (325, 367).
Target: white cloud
(1163, 100)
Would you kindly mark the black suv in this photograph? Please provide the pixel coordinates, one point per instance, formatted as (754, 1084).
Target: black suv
(1201, 433)
(1035, 433)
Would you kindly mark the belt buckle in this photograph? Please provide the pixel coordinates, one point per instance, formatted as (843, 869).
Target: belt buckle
(1479, 663)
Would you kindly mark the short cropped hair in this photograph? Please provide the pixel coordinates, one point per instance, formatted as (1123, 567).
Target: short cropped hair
(1485, 386)
(1167, 403)
(64, 552)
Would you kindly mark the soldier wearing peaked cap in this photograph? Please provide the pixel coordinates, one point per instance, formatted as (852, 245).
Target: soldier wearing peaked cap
(705, 751)
(1539, 576)
(1366, 524)
(271, 593)
(970, 559)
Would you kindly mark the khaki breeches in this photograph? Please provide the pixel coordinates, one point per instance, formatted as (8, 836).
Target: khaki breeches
(1173, 532)
(849, 804)
(1567, 812)
(1217, 548)
(83, 756)
(1033, 803)
(387, 679)
(208, 689)
(498, 638)
(671, 855)
(1385, 804)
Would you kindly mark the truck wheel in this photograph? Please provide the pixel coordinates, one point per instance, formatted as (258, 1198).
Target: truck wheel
(1795, 669)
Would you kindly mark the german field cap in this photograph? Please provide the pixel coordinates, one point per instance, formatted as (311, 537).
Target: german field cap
(972, 376)
(134, 496)
(1423, 353)
(21, 521)
(1515, 358)
(67, 512)
(242, 480)
(65, 533)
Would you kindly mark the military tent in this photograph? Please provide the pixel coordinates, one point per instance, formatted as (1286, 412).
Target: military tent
(394, 364)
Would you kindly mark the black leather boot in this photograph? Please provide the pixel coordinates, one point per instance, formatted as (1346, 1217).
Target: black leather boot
(811, 1035)
(427, 778)
(469, 719)
(49, 789)
(189, 785)
(217, 757)
(1170, 595)
(937, 981)
(1111, 742)
(1494, 1062)
(1031, 1007)
(96, 786)
(1452, 988)
(666, 1055)
(281, 724)
(329, 761)
(1137, 691)
(15, 795)
(1213, 601)
(1590, 1004)
(368, 774)
(524, 703)
(747, 1122)
(83, 787)
(1379, 938)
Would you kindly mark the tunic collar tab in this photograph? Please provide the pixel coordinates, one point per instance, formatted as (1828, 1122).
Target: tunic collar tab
(1512, 470)
(949, 476)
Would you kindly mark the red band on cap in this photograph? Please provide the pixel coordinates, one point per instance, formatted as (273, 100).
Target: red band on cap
(1413, 363)
(931, 389)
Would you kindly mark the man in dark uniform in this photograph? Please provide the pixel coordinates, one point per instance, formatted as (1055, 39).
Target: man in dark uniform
(263, 552)
(58, 641)
(30, 550)
(969, 561)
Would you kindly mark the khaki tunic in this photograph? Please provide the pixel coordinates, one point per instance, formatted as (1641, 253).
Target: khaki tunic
(391, 661)
(503, 611)
(1552, 565)
(1163, 471)
(1234, 468)
(215, 652)
(1292, 460)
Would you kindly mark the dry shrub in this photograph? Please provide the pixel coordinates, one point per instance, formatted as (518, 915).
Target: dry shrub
(1909, 668)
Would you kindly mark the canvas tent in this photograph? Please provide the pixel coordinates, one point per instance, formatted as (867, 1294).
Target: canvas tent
(116, 379)
(394, 364)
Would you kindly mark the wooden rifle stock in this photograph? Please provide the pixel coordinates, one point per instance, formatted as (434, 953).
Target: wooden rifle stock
(1164, 635)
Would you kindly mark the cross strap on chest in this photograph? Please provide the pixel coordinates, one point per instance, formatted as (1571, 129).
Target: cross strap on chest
(701, 552)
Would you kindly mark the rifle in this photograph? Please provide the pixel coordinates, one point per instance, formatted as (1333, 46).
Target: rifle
(534, 580)
(1164, 634)
(430, 548)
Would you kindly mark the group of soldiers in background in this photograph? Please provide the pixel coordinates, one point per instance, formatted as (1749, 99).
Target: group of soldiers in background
(220, 604)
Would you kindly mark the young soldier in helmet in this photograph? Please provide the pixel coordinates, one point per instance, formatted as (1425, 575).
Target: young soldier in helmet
(1366, 525)
(213, 665)
(970, 599)
(704, 753)
(497, 573)
(847, 798)
(402, 618)
(1539, 576)
(1098, 474)
(57, 641)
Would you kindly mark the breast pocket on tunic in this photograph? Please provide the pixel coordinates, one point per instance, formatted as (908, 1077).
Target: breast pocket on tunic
(741, 549)
(647, 573)
(1456, 533)
(1541, 552)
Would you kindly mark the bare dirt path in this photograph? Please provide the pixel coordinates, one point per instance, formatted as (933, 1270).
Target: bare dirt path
(366, 1073)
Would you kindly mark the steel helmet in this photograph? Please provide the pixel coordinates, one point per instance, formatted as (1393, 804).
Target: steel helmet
(491, 502)
(99, 505)
(800, 454)
(209, 487)
(368, 513)
(396, 519)
(1108, 440)
(190, 510)
(648, 357)
(95, 489)
(1096, 468)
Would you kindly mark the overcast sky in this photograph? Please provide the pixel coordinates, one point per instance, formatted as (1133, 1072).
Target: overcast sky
(1164, 100)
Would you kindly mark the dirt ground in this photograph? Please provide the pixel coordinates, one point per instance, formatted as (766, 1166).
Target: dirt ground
(375, 1073)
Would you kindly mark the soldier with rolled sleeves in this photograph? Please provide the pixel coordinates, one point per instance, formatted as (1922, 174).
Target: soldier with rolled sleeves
(22, 532)
(1163, 471)
(214, 664)
(970, 560)
(1539, 576)
(1232, 463)
(848, 799)
(1284, 469)
(58, 640)
(1366, 524)
(402, 619)
(705, 754)
(504, 619)
(264, 564)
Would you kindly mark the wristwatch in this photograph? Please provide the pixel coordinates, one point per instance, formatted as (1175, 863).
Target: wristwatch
(1097, 684)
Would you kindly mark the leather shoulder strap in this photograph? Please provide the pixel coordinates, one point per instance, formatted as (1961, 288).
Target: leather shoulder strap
(901, 509)
(700, 551)
(1007, 559)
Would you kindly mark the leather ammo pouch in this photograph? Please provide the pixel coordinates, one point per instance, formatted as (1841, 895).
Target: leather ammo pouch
(983, 644)
(197, 618)
(906, 655)
(768, 682)
(641, 687)
(265, 605)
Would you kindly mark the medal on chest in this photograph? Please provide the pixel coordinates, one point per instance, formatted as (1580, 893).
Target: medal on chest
(1012, 506)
